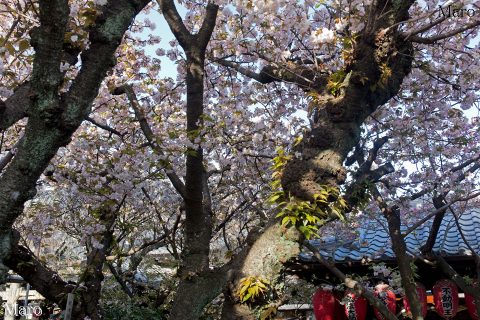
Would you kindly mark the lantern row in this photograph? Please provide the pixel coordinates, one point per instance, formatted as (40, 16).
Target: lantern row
(445, 295)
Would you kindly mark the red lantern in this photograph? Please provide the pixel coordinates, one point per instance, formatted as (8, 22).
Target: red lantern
(339, 309)
(470, 302)
(445, 297)
(355, 307)
(387, 296)
(324, 305)
(422, 297)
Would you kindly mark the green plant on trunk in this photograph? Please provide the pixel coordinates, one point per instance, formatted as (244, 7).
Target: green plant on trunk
(305, 215)
(251, 288)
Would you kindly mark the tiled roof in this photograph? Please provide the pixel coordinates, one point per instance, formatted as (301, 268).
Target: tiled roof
(374, 241)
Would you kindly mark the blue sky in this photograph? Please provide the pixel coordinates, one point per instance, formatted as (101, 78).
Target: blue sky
(168, 68)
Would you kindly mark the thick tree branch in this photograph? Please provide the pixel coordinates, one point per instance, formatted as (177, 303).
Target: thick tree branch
(466, 164)
(208, 25)
(10, 154)
(392, 215)
(175, 22)
(15, 107)
(99, 58)
(438, 202)
(47, 40)
(43, 279)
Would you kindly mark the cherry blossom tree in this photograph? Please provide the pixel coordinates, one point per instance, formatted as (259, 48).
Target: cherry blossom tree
(182, 162)
(351, 75)
(54, 101)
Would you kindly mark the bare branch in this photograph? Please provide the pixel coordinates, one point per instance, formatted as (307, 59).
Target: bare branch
(427, 27)
(261, 77)
(439, 210)
(104, 127)
(305, 77)
(15, 107)
(439, 37)
(460, 178)
(463, 235)
(119, 279)
(357, 190)
(229, 216)
(152, 245)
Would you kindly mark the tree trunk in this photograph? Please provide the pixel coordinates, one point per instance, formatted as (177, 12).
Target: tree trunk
(53, 118)
(273, 247)
(198, 222)
(93, 274)
(400, 248)
(194, 270)
(336, 129)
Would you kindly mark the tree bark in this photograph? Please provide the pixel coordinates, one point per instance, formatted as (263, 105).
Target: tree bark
(15, 107)
(41, 142)
(403, 260)
(194, 270)
(54, 118)
(336, 127)
(438, 202)
(93, 274)
(264, 257)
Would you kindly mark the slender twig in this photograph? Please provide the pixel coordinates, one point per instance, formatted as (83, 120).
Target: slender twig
(104, 127)
(432, 214)
(150, 136)
(439, 37)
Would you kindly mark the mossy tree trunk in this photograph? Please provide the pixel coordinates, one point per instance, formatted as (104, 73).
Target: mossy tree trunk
(335, 131)
(53, 116)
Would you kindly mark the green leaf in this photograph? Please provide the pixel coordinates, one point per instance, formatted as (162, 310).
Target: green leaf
(246, 297)
(285, 220)
(23, 45)
(10, 48)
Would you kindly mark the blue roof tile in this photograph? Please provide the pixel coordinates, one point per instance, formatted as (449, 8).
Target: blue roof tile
(374, 240)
